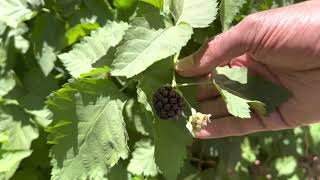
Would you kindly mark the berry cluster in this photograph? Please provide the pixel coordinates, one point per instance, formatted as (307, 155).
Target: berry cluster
(167, 103)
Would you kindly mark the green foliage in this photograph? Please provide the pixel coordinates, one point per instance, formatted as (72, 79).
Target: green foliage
(17, 132)
(76, 85)
(285, 165)
(46, 47)
(228, 10)
(155, 3)
(170, 143)
(240, 89)
(83, 55)
(87, 130)
(142, 47)
(80, 31)
(198, 14)
(13, 12)
(8, 82)
(142, 162)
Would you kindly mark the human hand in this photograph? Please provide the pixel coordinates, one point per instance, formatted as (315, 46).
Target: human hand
(282, 45)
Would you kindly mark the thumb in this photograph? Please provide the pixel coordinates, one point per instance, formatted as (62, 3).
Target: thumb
(221, 49)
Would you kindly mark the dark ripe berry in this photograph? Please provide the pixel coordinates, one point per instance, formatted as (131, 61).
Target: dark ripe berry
(167, 103)
(165, 93)
(158, 105)
(172, 94)
(167, 107)
(158, 96)
(173, 100)
(175, 107)
(164, 100)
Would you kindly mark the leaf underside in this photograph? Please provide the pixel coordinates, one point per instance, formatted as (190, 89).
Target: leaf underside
(241, 90)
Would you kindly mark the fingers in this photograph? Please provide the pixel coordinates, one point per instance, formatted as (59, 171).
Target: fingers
(223, 124)
(220, 50)
(206, 91)
(233, 126)
(216, 107)
(209, 90)
(258, 68)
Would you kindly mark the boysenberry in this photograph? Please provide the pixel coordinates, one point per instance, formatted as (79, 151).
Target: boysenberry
(167, 103)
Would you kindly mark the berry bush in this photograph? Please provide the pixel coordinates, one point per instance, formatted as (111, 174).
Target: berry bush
(88, 91)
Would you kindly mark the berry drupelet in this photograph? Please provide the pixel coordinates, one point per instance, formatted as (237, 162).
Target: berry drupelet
(167, 103)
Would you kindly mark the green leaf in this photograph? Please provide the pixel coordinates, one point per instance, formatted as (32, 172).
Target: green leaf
(236, 105)
(37, 166)
(228, 10)
(171, 140)
(7, 82)
(3, 59)
(80, 59)
(3, 27)
(94, 12)
(20, 131)
(10, 161)
(240, 90)
(198, 14)
(124, 4)
(142, 162)
(99, 10)
(315, 136)
(97, 72)
(119, 171)
(136, 117)
(171, 137)
(79, 31)
(202, 35)
(125, 9)
(248, 153)
(41, 117)
(285, 165)
(13, 12)
(149, 17)
(37, 87)
(87, 131)
(19, 41)
(155, 3)
(67, 7)
(46, 47)
(142, 47)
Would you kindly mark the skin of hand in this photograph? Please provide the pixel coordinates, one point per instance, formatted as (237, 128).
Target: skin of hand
(283, 46)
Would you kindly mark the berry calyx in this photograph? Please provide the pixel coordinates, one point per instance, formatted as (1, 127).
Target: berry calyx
(197, 121)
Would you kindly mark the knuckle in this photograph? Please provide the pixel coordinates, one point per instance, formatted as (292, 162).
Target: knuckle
(253, 21)
(252, 30)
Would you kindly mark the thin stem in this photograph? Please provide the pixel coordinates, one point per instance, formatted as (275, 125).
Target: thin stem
(108, 5)
(174, 83)
(175, 60)
(126, 85)
(45, 10)
(193, 84)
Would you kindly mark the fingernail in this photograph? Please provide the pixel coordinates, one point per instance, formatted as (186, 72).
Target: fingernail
(185, 64)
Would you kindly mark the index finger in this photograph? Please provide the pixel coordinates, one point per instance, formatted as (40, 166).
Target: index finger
(222, 48)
